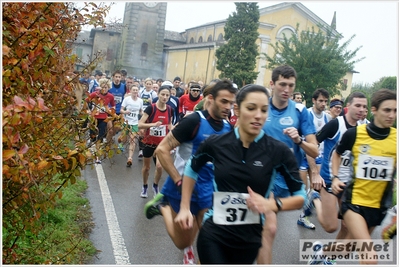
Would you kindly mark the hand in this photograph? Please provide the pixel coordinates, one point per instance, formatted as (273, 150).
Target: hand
(185, 219)
(258, 203)
(318, 182)
(158, 123)
(337, 186)
(292, 133)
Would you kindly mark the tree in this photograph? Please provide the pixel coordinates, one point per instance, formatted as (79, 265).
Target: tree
(386, 82)
(318, 58)
(44, 147)
(237, 58)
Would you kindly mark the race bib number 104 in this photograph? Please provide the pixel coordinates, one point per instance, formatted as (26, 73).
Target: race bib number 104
(375, 168)
(230, 208)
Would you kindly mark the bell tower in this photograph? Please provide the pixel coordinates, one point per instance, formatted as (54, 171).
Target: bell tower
(142, 39)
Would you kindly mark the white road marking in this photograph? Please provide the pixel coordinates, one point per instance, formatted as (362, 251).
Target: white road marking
(118, 243)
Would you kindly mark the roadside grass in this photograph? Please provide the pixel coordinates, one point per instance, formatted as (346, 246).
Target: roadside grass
(63, 234)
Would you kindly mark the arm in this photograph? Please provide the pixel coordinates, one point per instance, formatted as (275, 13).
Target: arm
(309, 145)
(345, 144)
(163, 154)
(193, 166)
(336, 185)
(145, 125)
(262, 205)
(184, 217)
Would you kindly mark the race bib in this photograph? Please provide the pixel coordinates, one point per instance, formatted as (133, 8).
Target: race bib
(375, 168)
(158, 131)
(230, 208)
(118, 99)
(133, 114)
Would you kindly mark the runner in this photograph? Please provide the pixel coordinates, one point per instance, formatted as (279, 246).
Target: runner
(244, 163)
(186, 137)
(157, 121)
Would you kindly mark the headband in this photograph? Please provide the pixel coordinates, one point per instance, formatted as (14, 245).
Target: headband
(334, 103)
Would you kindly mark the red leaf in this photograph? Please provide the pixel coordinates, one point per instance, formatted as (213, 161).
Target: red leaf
(41, 104)
(23, 149)
(16, 138)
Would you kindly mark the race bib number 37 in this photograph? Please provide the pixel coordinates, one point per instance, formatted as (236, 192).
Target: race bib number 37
(230, 208)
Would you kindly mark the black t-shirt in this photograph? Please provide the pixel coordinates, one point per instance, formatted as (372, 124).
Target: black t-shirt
(187, 128)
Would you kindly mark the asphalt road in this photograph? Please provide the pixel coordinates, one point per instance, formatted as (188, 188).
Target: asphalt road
(123, 235)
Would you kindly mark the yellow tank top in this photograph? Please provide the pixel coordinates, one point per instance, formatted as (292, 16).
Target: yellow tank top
(374, 165)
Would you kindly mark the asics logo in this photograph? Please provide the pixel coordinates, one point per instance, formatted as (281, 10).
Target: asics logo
(258, 164)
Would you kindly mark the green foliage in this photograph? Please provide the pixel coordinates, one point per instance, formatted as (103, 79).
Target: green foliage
(60, 235)
(237, 58)
(318, 58)
(44, 148)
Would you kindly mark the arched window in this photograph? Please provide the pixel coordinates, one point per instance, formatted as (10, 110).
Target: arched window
(209, 38)
(200, 39)
(144, 48)
(191, 40)
(288, 31)
(220, 37)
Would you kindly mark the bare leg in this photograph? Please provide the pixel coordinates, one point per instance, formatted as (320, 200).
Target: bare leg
(132, 145)
(327, 211)
(146, 170)
(181, 238)
(158, 172)
(268, 235)
(357, 227)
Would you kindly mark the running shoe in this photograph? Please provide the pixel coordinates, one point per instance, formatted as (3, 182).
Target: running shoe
(120, 147)
(329, 261)
(317, 257)
(155, 189)
(140, 154)
(98, 161)
(129, 162)
(189, 257)
(310, 205)
(151, 209)
(304, 221)
(144, 192)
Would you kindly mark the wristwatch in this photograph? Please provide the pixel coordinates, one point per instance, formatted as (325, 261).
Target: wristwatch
(279, 204)
(299, 143)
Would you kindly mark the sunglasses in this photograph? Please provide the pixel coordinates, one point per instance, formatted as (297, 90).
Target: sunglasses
(194, 90)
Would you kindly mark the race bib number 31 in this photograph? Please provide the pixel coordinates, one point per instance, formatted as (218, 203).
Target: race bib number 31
(375, 168)
(158, 131)
(230, 208)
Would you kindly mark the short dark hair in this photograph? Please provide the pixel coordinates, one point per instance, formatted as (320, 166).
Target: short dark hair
(285, 70)
(250, 88)
(124, 72)
(355, 95)
(177, 79)
(381, 95)
(320, 91)
(223, 84)
(159, 80)
(295, 94)
(117, 72)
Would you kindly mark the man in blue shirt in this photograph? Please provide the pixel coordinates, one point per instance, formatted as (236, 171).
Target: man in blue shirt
(287, 121)
(118, 90)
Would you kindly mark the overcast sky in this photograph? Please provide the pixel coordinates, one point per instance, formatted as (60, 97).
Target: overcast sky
(375, 24)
